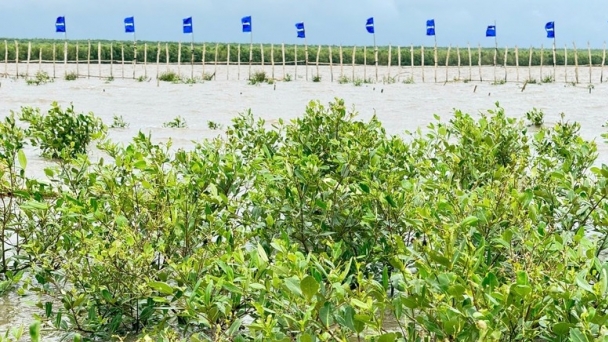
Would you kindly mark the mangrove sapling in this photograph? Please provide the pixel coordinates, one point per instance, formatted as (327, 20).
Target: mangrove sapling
(119, 122)
(177, 122)
(71, 76)
(535, 117)
(259, 77)
(41, 77)
(169, 76)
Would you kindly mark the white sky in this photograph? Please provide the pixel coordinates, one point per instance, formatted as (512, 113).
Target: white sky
(398, 22)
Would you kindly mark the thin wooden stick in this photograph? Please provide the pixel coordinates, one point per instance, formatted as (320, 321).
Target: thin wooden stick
(295, 57)
(422, 61)
(99, 58)
(283, 56)
(238, 62)
(40, 59)
(412, 61)
(179, 59)
(331, 66)
(77, 68)
(341, 64)
(505, 64)
(398, 61)
(89, 60)
(6, 58)
(167, 56)
(272, 58)
(590, 63)
(517, 63)
(470, 62)
(262, 54)
(603, 61)
(542, 53)
(111, 60)
(29, 55)
(228, 63)
(447, 63)
(317, 62)
(158, 61)
(65, 58)
(217, 45)
(575, 62)
(145, 60)
(479, 63)
(530, 65)
(388, 69)
(458, 53)
(494, 63)
(566, 63)
(54, 57)
(364, 63)
(122, 52)
(16, 59)
(353, 61)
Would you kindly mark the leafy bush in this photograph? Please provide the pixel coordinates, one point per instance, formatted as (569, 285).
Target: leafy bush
(316, 78)
(410, 80)
(343, 79)
(287, 78)
(41, 77)
(548, 79)
(169, 76)
(327, 228)
(61, 133)
(536, 117)
(258, 77)
(208, 76)
(71, 76)
(119, 122)
(177, 122)
(141, 78)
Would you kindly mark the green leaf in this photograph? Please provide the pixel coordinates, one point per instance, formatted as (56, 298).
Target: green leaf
(562, 329)
(582, 282)
(309, 287)
(390, 337)
(364, 187)
(35, 331)
(22, 159)
(262, 253)
(293, 284)
(469, 221)
(325, 314)
(577, 336)
(306, 337)
(391, 201)
(234, 327)
(161, 287)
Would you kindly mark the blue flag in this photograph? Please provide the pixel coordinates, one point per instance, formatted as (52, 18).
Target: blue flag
(300, 30)
(188, 25)
(430, 27)
(369, 25)
(550, 28)
(130, 25)
(491, 31)
(246, 21)
(60, 24)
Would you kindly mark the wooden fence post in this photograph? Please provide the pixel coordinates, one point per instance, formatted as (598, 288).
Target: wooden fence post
(158, 61)
(122, 64)
(575, 62)
(283, 56)
(603, 61)
(412, 62)
(494, 63)
(458, 53)
(447, 62)
(422, 61)
(89, 60)
(542, 52)
(179, 59)
(331, 66)
(145, 60)
(54, 57)
(29, 55)
(341, 64)
(111, 60)
(530, 65)
(65, 58)
(398, 61)
(364, 63)
(470, 62)
(167, 57)
(517, 63)
(40, 59)
(566, 63)
(388, 69)
(505, 64)
(353, 61)
(16, 59)
(99, 58)
(5, 58)
(272, 59)
(590, 63)
(479, 63)
(228, 63)
(318, 53)
(217, 45)
(77, 67)
(295, 57)
(238, 62)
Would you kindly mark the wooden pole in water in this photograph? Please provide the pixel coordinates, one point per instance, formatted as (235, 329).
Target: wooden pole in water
(283, 57)
(376, 56)
(341, 64)
(5, 58)
(353, 61)
(272, 58)
(146, 60)
(603, 61)
(228, 63)
(388, 69)
(262, 55)
(479, 63)
(40, 59)
(65, 57)
(217, 45)
(470, 62)
(77, 64)
(179, 59)
(530, 65)
(29, 55)
(295, 57)
(566, 63)
(192, 56)
(364, 63)
(331, 66)
(111, 60)
(89, 60)
(554, 61)
(458, 53)
(517, 62)
(54, 57)
(575, 62)
(203, 57)
(447, 62)
(412, 61)
(398, 60)
(99, 58)
(158, 61)
(167, 57)
(306, 58)
(505, 64)
(435, 58)
(422, 61)
(494, 62)
(317, 62)
(590, 62)
(16, 59)
(238, 62)
(122, 52)
(541, 61)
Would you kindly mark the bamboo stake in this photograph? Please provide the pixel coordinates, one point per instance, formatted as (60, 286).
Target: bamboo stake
(435, 59)
(111, 60)
(317, 62)
(228, 63)
(77, 68)
(530, 65)
(99, 58)
(65, 57)
(575, 63)
(29, 53)
(238, 62)
(353, 61)
(179, 59)
(295, 57)
(566, 63)
(541, 61)
(341, 65)
(146, 60)
(399, 60)
(134, 55)
(364, 63)
(39, 59)
(479, 63)
(412, 61)
(204, 57)
(376, 57)
(217, 45)
(283, 56)
(16, 59)
(447, 62)
(167, 56)
(494, 62)
(272, 58)
(388, 69)
(89, 60)
(250, 54)
(458, 53)
(554, 61)
(505, 64)
(158, 61)
(517, 62)
(122, 51)
(54, 57)
(6, 58)
(590, 62)
(306, 59)
(470, 62)
(262, 54)
(603, 61)
(422, 61)
(331, 66)
(192, 58)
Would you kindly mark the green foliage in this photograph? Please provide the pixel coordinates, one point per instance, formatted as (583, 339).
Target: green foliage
(213, 125)
(169, 76)
(548, 79)
(408, 80)
(287, 78)
(119, 122)
(41, 77)
(343, 79)
(61, 133)
(258, 77)
(177, 122)
(208, 76)
(499, 82)
(141, 78)
(71, 76)
(327, 228)
(535, 117)
(531, 81)
(316, 78)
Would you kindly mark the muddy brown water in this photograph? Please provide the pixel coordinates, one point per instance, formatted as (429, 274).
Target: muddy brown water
(147, 105)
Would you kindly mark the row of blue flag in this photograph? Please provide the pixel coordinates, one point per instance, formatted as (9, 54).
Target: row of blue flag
(300, 31)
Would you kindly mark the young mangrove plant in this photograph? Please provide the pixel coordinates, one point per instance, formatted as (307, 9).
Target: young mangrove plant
(119, 122)
(41, 77)
(71, 76)
(535, 117)
(169, 76)
(177, 122)
(258, 77)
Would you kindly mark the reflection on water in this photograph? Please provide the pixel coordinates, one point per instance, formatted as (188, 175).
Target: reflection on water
(147, 105)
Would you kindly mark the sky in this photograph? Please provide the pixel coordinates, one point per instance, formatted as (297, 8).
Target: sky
(397, 22)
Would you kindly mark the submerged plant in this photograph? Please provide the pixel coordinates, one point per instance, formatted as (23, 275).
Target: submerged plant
(41, 77)
(71, 76)
(536, 117)
(177, 122)
(169, 76)
(119, 122)
(258, 77)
